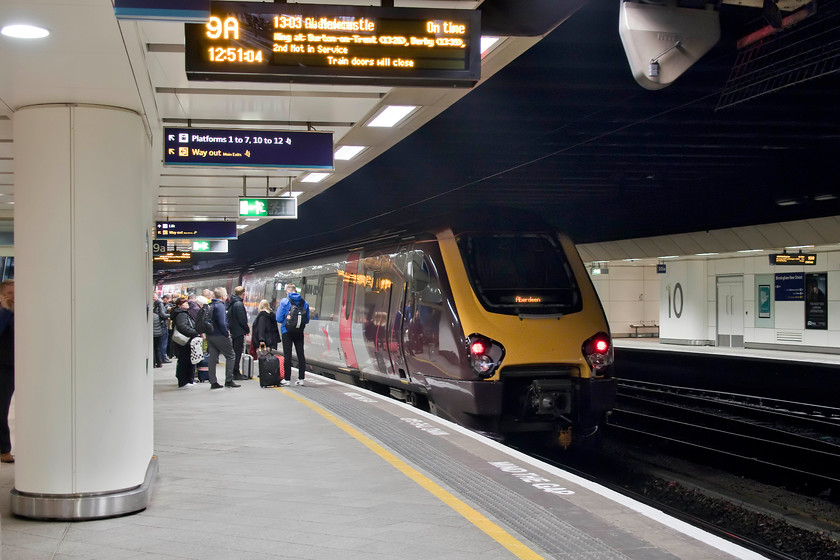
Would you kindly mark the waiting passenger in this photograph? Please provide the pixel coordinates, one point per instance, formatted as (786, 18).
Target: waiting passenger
(159, 318)
(292, 336)
(264, 330)
(183, 331)
(238, 324)
(193, 305)
(219, 342)
(7, 366)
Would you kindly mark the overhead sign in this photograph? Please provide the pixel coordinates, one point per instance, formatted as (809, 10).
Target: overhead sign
(279, 207)
(318, 43)
(661, 269)
(247, 148)
(210, 246)
(200, 230)
(159, 247)
(797, 259)
(163, 10)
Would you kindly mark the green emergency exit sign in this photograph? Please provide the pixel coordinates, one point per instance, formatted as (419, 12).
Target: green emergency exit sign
(277, 207)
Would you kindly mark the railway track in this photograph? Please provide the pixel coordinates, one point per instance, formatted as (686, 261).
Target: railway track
(776, 441)
(720, 528)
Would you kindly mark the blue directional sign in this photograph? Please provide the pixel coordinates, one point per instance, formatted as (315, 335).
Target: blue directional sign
(195, 230)
(248, 148)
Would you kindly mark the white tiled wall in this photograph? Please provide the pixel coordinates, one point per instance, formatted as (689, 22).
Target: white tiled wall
(630, 295)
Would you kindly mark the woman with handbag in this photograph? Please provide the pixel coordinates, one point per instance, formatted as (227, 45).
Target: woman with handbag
(183, 331)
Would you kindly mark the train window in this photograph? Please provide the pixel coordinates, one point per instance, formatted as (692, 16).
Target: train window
(520, 274)
(328, 292)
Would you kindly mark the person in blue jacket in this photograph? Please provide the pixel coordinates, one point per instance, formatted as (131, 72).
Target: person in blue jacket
(292, 334)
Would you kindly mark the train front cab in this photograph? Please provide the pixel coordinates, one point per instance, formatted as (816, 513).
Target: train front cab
(537, 337)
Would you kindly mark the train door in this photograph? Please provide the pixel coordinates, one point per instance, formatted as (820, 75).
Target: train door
(396, 323)
(345, 317)
(730, 311)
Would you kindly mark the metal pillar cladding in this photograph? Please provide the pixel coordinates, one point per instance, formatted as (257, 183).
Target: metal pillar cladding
(83, 408)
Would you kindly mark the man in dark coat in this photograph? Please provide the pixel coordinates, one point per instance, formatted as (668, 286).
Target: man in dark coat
(219, 342)
(238, 325)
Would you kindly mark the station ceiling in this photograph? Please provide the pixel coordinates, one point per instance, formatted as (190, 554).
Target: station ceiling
(566, 132)
(561, 129)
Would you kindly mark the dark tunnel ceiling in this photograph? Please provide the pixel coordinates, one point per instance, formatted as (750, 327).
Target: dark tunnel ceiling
(565, 131)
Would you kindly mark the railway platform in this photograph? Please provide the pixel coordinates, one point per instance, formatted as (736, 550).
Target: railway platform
(330, 471)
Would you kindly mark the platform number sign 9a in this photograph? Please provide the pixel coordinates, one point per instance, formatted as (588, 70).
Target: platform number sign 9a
(158, 247)
(673, 306)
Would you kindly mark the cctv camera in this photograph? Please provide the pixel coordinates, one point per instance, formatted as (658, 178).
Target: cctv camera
(272, 189)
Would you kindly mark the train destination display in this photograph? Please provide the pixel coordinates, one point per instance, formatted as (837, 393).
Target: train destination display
(793, 259)
(318, 43)
(195, 230)
(248, 148)
(277, 207)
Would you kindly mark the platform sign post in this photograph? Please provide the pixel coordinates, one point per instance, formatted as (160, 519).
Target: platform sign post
(277, 207)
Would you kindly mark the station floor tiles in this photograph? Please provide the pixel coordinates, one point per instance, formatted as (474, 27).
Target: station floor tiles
(248, 474)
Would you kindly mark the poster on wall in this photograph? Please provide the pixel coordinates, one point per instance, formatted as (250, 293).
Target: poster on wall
(790, 286)
(816, 300)
(764, 306)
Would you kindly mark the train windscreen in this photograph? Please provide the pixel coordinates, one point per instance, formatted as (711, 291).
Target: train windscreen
(521, 274)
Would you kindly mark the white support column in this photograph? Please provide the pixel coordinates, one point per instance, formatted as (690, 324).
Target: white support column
(83, 213)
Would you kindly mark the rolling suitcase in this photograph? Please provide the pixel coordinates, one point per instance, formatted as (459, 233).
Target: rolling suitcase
(247, 367)
(270, 372)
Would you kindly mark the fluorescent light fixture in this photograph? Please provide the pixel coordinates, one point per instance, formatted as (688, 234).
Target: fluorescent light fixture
(799, 247)
(704, 254)
(391, 115)
(200, 218)
(487, 42)
(631, 260)
(252, 219)
(314, 177)
(241, 226)
(348, 152)
(24, 31)
(751, 251)
(787, 202)
(669, 257)
(823, 197)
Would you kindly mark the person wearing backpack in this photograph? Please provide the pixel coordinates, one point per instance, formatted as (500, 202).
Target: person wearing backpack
(293, 315)
(218, 339)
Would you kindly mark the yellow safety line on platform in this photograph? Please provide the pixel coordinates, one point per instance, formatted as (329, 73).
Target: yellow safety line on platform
(476, 518)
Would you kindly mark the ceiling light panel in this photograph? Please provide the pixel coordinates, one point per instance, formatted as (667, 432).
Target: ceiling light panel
(392, 115)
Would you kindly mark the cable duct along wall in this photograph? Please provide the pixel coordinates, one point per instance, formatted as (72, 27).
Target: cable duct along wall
(805, 46)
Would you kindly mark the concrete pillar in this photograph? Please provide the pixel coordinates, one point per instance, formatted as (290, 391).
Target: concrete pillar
(83, 217)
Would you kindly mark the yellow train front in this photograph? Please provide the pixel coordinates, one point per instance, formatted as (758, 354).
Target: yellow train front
(500, 331)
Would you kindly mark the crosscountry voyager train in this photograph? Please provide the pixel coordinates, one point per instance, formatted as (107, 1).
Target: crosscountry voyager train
(498, 329)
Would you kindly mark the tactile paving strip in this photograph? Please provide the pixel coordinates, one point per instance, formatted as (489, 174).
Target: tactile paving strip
(553, 535)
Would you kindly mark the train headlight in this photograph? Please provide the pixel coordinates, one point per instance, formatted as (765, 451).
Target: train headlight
(598, 351)
(485, 355)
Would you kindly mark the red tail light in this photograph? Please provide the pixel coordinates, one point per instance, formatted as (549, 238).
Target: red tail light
(485, 355)
(598, 351)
